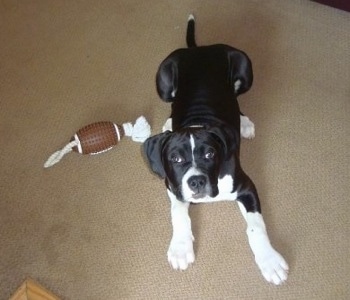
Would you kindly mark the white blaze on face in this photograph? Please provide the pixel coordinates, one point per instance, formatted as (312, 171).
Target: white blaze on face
(193, 145)
(192, 171)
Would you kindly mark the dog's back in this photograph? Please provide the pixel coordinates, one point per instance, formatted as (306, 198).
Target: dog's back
(203, 82)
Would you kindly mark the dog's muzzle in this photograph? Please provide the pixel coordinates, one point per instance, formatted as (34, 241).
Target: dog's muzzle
(198, 184)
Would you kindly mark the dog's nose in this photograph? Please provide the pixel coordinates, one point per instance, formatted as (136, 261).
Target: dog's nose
(197, 183)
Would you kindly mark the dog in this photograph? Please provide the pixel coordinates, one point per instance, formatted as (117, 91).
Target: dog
(198, 151)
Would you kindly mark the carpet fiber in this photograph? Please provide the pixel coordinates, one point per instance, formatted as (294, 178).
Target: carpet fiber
(98, 227)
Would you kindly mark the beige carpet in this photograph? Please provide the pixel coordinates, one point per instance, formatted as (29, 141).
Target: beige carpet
(98, 227)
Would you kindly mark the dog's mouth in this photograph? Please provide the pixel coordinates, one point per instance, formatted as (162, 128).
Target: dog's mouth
(198, 196)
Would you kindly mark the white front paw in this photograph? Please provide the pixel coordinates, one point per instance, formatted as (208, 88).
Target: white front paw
(180, 253)
(247, 128)
(273, 266)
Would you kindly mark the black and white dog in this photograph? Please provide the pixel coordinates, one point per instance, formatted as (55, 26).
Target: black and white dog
(198, 151)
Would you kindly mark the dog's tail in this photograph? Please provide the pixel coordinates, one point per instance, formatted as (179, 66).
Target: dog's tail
(191, 42)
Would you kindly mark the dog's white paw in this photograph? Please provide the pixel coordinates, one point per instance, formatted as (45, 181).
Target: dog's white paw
(180, 253)
(247, 128)
(273, 266)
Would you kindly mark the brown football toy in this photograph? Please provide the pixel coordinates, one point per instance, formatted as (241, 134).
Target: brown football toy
(100, 137)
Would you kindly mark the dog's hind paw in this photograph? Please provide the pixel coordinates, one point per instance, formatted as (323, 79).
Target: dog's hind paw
(180, 253)
(168, 125)
(247, 128)
(273, 267)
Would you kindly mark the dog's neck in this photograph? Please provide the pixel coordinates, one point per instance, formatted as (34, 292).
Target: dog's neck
(196, 123)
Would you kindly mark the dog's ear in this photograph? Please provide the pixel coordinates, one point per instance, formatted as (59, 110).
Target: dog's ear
(153, 148)
(240, 70)
(167, 78)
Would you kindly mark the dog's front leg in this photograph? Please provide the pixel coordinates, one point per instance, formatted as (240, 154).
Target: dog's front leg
(271, 264)
(180, 253)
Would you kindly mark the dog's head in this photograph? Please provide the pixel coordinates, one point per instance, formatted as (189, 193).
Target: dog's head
(191, 159)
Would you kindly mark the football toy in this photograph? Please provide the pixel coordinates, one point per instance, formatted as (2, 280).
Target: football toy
(100, 137)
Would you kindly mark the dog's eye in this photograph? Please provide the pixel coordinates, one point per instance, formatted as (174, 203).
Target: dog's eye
(176, 159)
(209, 155)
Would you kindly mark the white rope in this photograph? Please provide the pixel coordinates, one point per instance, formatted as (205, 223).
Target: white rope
(57, 156)
(140, 131)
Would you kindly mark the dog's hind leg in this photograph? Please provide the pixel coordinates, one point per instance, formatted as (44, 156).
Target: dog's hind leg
(168, 125)
(247, 127)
